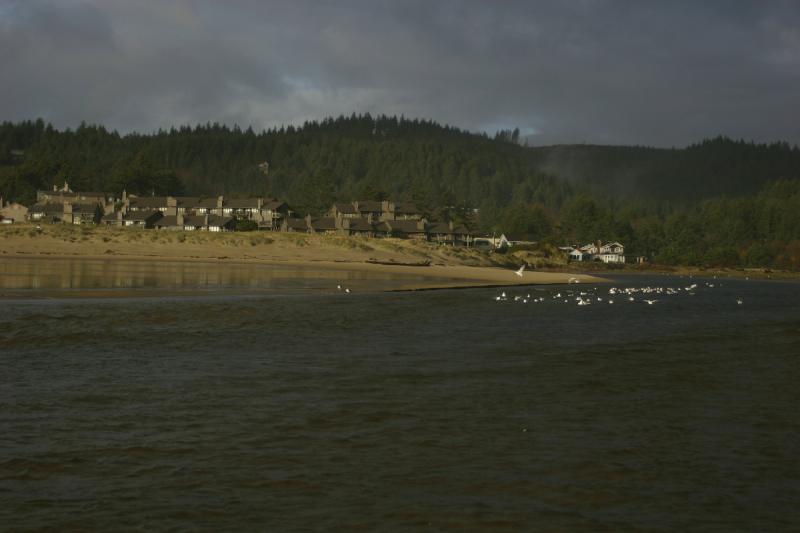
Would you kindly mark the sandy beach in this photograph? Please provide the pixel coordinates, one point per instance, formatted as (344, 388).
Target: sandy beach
(401, 260)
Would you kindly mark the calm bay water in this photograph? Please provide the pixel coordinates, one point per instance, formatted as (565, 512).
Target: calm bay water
(395, 411)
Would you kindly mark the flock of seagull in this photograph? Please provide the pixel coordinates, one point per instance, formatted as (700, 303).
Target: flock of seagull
(588, 297)
(645, 295)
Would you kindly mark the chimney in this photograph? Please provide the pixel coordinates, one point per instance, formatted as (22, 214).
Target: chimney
(220, 201)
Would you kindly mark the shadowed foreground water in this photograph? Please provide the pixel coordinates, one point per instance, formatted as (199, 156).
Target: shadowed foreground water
(437, 410)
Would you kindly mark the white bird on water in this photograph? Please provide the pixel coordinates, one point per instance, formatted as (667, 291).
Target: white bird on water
(520, 271)
(339, 287)
(739, 301)
(651, 302)
(347, 291)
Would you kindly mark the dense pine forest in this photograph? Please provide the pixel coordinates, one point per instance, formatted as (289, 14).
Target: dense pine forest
(717, 203)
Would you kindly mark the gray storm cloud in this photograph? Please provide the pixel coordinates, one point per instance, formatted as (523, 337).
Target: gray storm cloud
(658, 73)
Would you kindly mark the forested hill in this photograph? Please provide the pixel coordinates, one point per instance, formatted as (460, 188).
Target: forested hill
(710, 168)
(717, 203)
(360, 155)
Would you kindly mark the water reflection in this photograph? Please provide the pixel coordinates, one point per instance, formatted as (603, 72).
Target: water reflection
(83, 274)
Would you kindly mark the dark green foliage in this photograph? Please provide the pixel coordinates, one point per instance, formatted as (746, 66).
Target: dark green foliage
(666, 204)
(246, 225)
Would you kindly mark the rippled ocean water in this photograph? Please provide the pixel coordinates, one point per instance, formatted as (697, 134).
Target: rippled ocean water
(395, 411)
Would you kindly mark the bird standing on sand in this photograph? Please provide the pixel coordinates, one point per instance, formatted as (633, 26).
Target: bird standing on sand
(520, 271)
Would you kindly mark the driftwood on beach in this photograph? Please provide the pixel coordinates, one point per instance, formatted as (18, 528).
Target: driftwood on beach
(399, 263)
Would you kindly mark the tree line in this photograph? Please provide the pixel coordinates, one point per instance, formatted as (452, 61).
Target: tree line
(718, 203)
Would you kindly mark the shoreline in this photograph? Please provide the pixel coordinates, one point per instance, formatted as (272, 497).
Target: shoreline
(384, 264)
(409, 278)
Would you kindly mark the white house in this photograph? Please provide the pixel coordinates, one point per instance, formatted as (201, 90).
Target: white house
(579, 255)
(612, 252)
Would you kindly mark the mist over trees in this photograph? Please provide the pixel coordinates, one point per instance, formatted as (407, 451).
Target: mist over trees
(717, 203)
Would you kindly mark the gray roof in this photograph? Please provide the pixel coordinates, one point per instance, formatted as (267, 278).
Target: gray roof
(439, 227)
(140, 215)
(194, 220)
(296, 223)
(47, 208)
(167, 221)
(323, 224)
(406, 208)
(370, 206)
(404, 226)
(241, 203)
(206, 203)
(274, 205)
(221, 221)
(347, 209)
(360, 224)
(148, 202)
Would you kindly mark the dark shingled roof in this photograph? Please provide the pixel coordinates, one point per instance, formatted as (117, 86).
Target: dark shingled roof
(241, 203)
(369, 206)
(345, 209)
(194, 220)
(206, 203)
(148, 202)
(439, 227)
(360, 224)
(221, 221)
(167, 222)
(323, 224)
(297, 223)
(47, 208)
(274, 205)
(404, 226)
(406, 208)
(140, 216)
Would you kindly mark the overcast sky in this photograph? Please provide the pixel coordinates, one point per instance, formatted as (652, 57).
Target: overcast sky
(663, 73)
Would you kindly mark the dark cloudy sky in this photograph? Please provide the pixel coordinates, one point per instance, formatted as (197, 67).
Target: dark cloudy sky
(602, 71)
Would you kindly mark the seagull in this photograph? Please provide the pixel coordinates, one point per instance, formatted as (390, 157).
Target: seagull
(520, 271)
(651, 302)
(339, 287)
(739, 301)
(347, 291)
